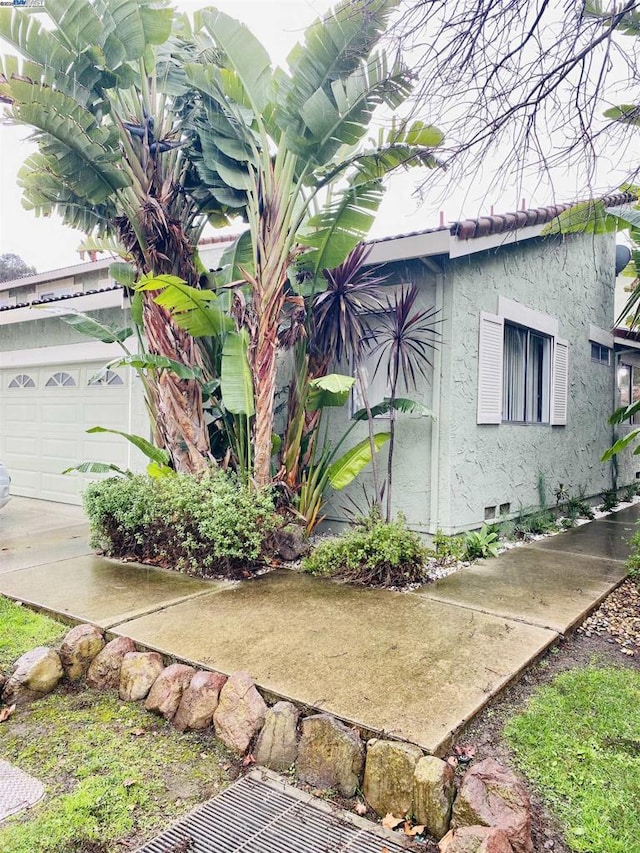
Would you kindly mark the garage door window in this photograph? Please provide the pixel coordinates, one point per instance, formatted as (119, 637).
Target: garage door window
(61, 380)
(22, 381)
(106, 377)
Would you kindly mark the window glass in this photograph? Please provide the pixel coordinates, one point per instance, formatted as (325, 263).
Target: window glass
(526, 375)
(60, 380)
(600, 353)
(22, 381)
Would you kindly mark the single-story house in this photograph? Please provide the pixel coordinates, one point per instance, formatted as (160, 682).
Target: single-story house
(521, 386)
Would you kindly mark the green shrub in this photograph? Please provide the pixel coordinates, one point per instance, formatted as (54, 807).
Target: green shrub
(375, 553)
(481, 543)
(534, 524)
(633, 563)
(448, 549)
(577, 507)
(206, 525)
(609, 499)
(630, 492)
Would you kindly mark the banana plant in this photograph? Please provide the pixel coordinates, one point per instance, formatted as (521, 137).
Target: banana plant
(293, 143)
(120, 135)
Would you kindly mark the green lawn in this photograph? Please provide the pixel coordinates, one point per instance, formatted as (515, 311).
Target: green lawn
(21, 630)
(579, 743)
(114, 774)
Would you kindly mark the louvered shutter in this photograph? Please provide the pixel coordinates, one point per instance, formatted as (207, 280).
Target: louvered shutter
(560, 383)
(490, 350)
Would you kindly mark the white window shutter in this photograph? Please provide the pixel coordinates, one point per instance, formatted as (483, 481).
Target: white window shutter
(490, 351)
(560, 385)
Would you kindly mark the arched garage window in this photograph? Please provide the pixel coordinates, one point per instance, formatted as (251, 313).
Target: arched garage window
(106, 377)
(60, 380)
(22, 381)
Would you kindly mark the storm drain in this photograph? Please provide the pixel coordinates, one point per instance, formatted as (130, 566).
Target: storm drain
(18, 790)
(261, 814)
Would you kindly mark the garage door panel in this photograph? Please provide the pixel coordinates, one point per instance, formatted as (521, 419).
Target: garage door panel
(60, 484)
(59, 448)
(21, 478)
(61, 413)
(107, 414)
(20, 446)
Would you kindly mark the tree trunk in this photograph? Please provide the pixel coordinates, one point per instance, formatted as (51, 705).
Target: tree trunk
(181, 425)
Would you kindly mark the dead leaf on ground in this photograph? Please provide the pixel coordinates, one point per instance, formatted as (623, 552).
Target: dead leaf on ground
(390, 821)
(360, 808)
(129, 782)
(413, 830)
(5, 713)
(138, 732)
(453, 761)
(248, 759)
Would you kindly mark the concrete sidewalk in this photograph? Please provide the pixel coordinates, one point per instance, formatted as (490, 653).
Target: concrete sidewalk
(414, 665)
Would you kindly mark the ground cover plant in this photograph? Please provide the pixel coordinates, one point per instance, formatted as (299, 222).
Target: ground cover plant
(578, 741)
(374, 552)
(114, 775)
(207, 525)
(22, 630)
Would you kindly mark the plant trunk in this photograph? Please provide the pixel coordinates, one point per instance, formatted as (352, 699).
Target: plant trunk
(180, 422)
(264, 390)
(372, 444)
(392, 430)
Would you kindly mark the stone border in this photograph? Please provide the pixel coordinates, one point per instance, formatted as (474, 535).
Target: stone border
(419, 793)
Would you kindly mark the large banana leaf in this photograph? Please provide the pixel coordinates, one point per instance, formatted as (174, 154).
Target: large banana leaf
(586, 217)
(199, 312)
(350, 464)
(337, 230)
(87, 325)
(235, 381)
(161, 457)
(246, 55)
(331, 390)
(401, 404)
(123, 273)
(147, 361)
(96, 468)
(235, 259)
(332, 49)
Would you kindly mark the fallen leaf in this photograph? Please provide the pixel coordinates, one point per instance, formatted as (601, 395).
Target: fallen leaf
(129, 782)
(389, 821)
(5, 713)
(413, 830)
(453, 761)
(138, 732)
(248, 759)
(360, 808)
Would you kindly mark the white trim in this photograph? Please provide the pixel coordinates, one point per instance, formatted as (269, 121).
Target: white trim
(560, 383)
(627, 343)
(86, 302)
(56, 275)
(471, 246)
(515, 312)
(65, 354)
(600, 336)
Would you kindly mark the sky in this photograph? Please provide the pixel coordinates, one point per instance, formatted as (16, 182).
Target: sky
(47, 244)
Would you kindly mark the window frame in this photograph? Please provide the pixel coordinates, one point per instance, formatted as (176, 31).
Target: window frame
(530, 401)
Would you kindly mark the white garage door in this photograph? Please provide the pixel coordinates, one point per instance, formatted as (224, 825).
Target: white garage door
(44, 414)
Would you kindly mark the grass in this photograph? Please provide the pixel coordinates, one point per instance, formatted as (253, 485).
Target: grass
(579, 743)
(21, 630)
(114, 774)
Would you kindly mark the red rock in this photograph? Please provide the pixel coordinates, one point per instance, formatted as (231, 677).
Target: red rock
(491, 795)
(475, 839)
(166, 692)
(104, 670)
(240, 713)
(199, 702)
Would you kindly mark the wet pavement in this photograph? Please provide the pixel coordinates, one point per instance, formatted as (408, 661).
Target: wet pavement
(414, 665)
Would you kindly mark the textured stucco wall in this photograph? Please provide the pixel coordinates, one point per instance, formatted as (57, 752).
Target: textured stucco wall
(571, 279)
(412, 455)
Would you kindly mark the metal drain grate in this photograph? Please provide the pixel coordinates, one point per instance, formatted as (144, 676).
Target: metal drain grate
(261, 814)
(18, 790)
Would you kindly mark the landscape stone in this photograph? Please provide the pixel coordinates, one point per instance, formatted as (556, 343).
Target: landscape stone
(199, 702)
(330, 755)
(491, 795)
(433, 793)
(388, 776)
(138, 672)
(240, 713)
(35, 674)
(104, 669)
(277, 744)
(166, 692)
(79, 647)
(476, 839)
(290, 542)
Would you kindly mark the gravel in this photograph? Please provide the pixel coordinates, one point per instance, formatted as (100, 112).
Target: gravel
(618, 618)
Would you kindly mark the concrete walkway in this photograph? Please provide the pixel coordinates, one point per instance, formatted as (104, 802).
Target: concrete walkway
(413, 665)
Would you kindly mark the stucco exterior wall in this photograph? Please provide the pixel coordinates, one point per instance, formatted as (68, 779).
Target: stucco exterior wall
(571, 279)
(52, 331)
(412, 456)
